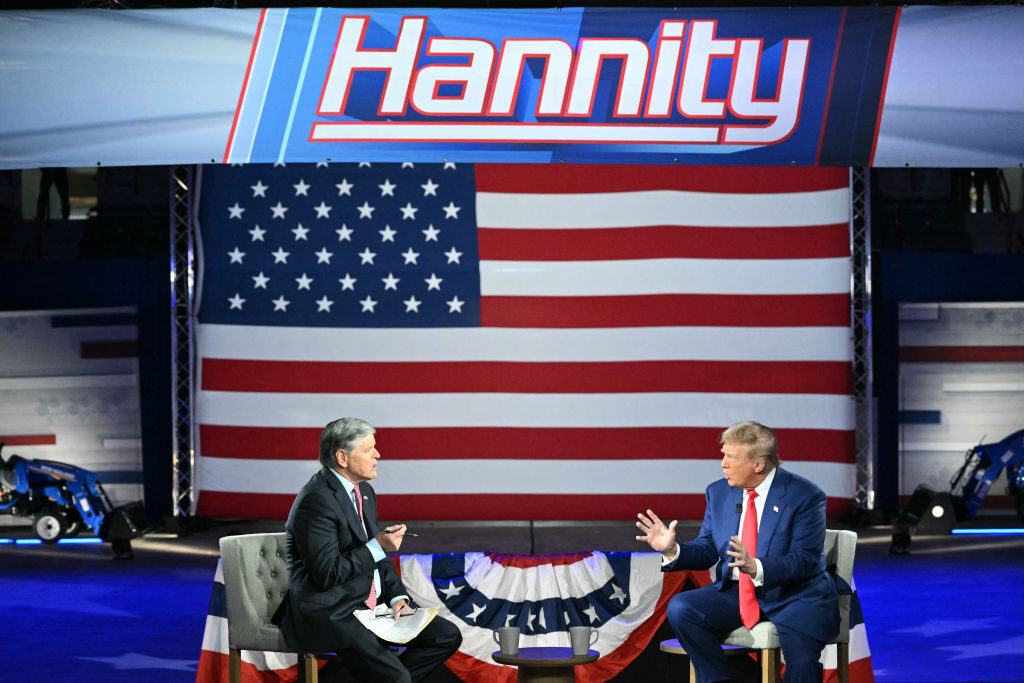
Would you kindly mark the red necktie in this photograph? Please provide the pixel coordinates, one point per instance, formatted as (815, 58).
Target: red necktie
(749, 610)
(371, 600)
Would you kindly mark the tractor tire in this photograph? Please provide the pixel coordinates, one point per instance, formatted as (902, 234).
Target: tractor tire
(49, 526)
(74, 528)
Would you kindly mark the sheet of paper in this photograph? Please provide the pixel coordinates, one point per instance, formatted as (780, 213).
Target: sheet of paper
(405, 628)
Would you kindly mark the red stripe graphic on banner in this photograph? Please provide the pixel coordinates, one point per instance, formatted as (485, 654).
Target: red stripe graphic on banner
(120, 348)
(29, 440)
(885, 85)
(221, 374)
(520, 443)
(245, 85)
(664, 241)
(831, 80)
(666, 310)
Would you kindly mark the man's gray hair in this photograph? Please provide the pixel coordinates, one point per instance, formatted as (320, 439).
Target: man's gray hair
(343, 433)
(759, 440)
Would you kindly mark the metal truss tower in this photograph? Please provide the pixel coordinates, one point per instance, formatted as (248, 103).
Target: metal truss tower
(860, 323)
(182, 352)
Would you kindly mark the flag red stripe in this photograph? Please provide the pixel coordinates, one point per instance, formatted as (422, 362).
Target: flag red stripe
(213, 668)
(961, 354)
(589, 178)
(520, 443)
(664, 241)
(528, 561)
(860, 672)
(222, 374)
(487, 507)
(29, 440)
(667, 310)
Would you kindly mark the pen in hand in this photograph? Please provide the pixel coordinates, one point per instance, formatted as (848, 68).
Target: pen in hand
(388, 531)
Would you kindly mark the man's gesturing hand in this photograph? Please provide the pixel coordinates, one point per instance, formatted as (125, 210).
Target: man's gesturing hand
(660, 537)
(743, 559)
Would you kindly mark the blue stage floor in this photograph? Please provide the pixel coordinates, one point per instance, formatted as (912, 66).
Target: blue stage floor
(952, 610)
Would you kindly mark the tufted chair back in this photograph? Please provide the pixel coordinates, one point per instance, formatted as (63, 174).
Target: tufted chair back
(255, 570)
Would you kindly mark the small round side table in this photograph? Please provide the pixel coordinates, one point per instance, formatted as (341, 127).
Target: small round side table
(546, 664)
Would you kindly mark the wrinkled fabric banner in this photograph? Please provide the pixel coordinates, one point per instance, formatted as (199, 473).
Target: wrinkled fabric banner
(622, 595)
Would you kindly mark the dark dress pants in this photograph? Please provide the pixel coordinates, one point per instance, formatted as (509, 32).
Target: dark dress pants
(702, 618)
(370, 659)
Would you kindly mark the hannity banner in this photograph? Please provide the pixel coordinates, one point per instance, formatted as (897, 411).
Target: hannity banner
(770, 86)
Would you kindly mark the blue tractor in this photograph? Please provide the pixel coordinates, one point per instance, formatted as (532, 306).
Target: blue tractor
(63, 500)
(940, 511)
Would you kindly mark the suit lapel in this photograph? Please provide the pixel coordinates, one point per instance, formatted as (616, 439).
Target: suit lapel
(348, 509)
(774, 504)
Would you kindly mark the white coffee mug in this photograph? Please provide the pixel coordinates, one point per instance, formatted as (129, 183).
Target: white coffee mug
(581, 638)
(507, 638)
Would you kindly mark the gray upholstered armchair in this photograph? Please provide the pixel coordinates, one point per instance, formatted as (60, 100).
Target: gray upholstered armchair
(255, 570)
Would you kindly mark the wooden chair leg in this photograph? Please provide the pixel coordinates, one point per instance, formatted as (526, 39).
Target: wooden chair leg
(771, 666)
(843, 662)
(309, 670)
(234, 665)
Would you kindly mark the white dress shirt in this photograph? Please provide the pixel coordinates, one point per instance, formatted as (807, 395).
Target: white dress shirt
(373, 545)
(762, 494)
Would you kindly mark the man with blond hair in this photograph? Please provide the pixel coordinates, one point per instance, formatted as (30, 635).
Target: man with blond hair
(764, 532)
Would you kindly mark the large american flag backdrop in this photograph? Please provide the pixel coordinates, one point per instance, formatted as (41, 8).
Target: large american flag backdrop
(546, 342)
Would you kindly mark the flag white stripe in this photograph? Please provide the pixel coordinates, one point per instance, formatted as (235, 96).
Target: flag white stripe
(475, 641)
(665, 276)
(536, 583)
(782, 411)
(215, 634)
(662, 207)
(551, 477)
(526, 345)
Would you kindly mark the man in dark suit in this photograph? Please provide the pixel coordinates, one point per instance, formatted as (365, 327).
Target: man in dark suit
(337, 563)
(784, 573)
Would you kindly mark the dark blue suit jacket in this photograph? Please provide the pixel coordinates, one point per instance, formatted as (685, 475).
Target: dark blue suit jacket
(329, 566)
(797, 591)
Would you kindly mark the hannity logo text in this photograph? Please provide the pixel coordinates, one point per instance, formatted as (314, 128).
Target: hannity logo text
(485, 82)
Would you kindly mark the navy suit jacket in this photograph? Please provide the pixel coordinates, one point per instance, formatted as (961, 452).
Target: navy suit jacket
(329, 566)
(797, 591)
